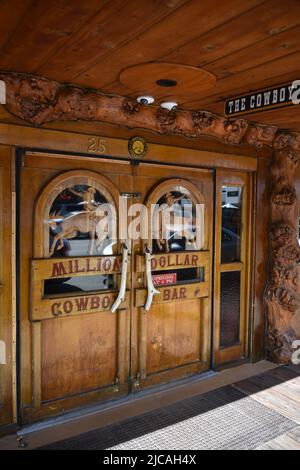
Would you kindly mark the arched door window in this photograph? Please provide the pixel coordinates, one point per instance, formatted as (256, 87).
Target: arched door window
(76, 217)
(178, 224)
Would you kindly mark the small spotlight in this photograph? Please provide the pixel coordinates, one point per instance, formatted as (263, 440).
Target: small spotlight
(170, 105)
(145, 99)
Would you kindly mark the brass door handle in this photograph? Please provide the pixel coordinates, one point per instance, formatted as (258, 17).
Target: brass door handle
(122, 291)
(150, 286)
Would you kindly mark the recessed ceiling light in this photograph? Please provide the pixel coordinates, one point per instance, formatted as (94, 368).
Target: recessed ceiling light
(166, 82)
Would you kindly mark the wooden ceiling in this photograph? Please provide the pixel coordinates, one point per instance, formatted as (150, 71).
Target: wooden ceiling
(246, 45)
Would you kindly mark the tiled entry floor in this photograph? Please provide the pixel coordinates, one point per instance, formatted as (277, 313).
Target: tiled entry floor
(247, 407)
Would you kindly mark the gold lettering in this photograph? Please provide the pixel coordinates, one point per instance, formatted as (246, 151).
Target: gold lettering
(82, 303)
(58, 269)
(55, 309)
(77, 270)
(96, 145)
(182, 293)
(194, 260)
(106, 301)
(68, 306)
(167, 294)
(107, 264)
(88, 266)
(95, 302)
(175, 294)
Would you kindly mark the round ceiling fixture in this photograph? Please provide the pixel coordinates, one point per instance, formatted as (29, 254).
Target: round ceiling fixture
(166, 82)
(145, 99)
(170, 105)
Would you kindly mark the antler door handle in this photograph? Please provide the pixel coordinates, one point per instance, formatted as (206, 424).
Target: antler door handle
(122, 291)
(150, 286)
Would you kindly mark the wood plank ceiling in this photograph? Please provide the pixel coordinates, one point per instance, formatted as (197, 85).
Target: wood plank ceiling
(246, 44)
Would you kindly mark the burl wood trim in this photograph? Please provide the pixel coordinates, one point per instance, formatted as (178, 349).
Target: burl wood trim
(38, 101)
(281, 295)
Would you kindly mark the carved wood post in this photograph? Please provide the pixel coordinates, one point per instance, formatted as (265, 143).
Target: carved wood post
(281, 295)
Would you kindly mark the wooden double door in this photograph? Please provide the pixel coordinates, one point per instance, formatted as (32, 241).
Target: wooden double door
(115, 278)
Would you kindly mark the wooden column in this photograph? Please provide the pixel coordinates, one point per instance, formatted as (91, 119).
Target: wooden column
(281, 297)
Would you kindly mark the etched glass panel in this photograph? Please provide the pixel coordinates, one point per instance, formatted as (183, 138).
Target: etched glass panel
(177, 226)
(81, 224)
(177, 223)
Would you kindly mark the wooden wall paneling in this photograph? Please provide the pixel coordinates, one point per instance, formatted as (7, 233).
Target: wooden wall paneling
(267, 50)
(54, 24)
(11, 22)
(191, 18)
(8, 405)
(261, 247)
(235, 35)
(116, 24)
(27, 137)
(262, 76)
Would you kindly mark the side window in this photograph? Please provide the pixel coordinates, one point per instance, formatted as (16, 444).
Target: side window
(232, 199)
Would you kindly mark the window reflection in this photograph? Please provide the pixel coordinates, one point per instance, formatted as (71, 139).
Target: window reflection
(80, 223)
(174, 223)
(231, 224)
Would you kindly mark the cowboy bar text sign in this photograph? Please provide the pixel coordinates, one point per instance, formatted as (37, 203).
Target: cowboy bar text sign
(262, 100)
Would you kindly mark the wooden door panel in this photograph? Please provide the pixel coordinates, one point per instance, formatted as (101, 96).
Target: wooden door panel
(78, 354)
(69, 358)
(173, 335)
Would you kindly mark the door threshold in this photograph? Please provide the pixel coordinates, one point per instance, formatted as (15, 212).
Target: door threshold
(98, 416)
(91, 410)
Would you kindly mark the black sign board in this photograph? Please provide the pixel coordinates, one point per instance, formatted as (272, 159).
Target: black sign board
(262, 100)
